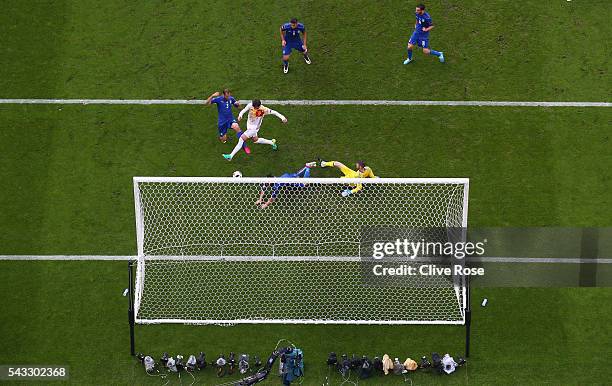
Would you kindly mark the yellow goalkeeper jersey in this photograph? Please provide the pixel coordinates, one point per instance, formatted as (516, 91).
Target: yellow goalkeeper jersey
(349, 173)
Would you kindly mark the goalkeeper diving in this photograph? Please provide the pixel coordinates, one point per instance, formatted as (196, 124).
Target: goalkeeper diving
(276, 187)
(361, 171)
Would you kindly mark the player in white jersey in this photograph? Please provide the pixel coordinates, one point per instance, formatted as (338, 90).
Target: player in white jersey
(256, 114)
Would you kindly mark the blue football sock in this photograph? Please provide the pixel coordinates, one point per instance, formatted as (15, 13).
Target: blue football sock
(435, 53)
(410, 54)
(303, 172)
(285, 62)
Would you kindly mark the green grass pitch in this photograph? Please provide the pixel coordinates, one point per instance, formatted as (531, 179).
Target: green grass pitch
(67, 170)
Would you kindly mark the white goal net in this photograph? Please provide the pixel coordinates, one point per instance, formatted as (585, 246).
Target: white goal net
(208, 255)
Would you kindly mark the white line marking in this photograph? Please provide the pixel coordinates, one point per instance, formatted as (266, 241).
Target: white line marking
(530, 260)
(304, 102)
(65, 257)
(540, 260)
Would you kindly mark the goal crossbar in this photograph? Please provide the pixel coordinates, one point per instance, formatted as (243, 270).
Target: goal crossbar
(312, 180)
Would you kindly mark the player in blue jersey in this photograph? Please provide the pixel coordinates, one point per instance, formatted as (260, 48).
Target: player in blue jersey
(276, 187)
(226, 118)
(420, 36)
(291, 40)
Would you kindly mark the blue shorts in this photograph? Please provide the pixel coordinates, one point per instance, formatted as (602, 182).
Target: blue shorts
(292, 46)
(419, 41)
(224, 126)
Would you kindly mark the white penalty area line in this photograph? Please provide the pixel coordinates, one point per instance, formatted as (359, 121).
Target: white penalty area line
(519, 260)
(304, 102)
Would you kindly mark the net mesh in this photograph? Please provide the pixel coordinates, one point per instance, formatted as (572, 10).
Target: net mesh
(208, 254)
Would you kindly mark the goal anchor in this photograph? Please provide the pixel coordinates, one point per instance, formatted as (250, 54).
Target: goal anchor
(468, 316)
(131, 308)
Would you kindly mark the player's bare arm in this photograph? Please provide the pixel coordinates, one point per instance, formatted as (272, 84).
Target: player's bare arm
(304, 36)
(283, 41)
(213, 95)
(260, 200)
(267, 203)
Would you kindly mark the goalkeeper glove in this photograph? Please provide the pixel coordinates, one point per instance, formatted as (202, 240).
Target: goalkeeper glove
(347, 193)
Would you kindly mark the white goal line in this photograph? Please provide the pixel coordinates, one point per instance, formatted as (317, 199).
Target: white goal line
(519, 260)
(307, 102)
(293, 321)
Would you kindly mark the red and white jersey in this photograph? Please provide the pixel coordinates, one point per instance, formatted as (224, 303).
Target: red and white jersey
(256, 115)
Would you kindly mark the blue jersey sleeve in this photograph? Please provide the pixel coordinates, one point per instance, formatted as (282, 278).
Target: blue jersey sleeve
(233, 101)
(427, 23)
(286, 27)
(216, 100)
(301, 28)
(275, 188)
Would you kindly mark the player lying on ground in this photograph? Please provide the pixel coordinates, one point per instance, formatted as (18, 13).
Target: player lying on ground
(290, 40)
(420, 36)
(362, 171)
(226, 117)
(257, 112)
(275, 188)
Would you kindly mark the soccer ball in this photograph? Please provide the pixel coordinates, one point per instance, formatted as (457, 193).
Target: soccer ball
(237, 174)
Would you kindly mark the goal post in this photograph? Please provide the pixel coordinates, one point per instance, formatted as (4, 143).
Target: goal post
(208, 255)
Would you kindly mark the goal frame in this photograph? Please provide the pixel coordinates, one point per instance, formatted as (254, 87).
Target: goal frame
(136, 282)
